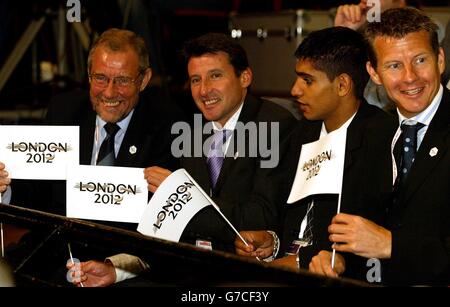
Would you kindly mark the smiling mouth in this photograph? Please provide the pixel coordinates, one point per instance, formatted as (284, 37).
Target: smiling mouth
(211, 101)
(110, 103)
(412, 92)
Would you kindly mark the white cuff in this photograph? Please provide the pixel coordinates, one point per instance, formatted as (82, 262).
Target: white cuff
(6, 196)
(127, 266)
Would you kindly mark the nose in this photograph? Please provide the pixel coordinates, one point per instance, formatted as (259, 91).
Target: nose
(109, 90)
(410, 74)
(204, 87)
(296, 90)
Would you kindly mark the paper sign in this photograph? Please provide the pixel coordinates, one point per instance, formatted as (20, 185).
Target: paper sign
(321, 166)
(39, 152)
(173, 205)
(107, 193)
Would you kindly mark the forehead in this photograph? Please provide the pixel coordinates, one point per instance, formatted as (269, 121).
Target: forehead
(103, 56)
(306, 67)
(389, 48)
(209, 61)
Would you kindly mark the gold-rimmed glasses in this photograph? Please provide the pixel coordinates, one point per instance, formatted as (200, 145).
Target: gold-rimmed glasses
(101, 80)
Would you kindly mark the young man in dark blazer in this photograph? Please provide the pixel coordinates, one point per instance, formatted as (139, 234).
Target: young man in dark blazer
(413, 244)
(331, 77)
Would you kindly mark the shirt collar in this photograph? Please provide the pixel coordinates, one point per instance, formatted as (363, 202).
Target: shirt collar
(231, 123)
(344, 126)
(123, 124)
(426, 115)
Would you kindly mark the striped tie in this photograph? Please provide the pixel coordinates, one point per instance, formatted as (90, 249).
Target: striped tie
(216, 155)
(106, 155)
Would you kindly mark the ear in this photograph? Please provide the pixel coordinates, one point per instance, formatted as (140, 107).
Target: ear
(441, 60)
(373, 73)
(246, 77)
(146, 79)
(344, 84)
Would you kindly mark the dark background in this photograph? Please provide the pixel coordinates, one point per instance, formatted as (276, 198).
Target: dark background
(165, 24)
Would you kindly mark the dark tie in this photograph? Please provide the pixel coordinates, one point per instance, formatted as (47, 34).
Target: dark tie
(408, 141)
(216, 155)
(106, 155)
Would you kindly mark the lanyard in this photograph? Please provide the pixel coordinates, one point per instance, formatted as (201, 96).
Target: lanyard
(305, 220)
(394, 164)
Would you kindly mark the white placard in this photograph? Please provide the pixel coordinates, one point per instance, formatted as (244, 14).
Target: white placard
(107, 193)
(39, 152)
(171, 208)
(321, 166)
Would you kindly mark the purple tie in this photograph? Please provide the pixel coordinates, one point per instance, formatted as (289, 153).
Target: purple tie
(216, 155)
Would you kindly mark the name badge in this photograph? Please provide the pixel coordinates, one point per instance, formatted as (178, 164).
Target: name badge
(204, 244)
(295, 246)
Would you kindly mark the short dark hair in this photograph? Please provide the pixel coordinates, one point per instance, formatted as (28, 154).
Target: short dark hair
(214, 43)
(119, 40)
(398, 23)
(335, 51)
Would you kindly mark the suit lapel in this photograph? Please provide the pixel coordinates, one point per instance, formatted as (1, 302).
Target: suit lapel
(249, 112)
(135, 138)
(354, 135)
(427, 158)
(87, 132)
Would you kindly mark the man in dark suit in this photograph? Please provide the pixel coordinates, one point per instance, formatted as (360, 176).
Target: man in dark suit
(413, 244)
(219, 76)
(246, 192)
(329, 88)
(119, 72)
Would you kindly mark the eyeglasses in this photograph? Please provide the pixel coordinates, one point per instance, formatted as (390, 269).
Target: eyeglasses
(101, 80)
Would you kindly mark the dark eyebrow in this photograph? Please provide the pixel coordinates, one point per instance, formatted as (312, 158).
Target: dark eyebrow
(303, 74)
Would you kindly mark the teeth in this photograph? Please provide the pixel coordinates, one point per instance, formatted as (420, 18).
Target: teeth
(111, 103)
(211, 101)
(413, 92)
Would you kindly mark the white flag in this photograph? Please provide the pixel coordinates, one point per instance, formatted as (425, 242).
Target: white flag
(321, 167)
(39, 152)
(107, 193)
(172, 206)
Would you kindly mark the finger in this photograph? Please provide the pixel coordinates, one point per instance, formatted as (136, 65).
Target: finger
(357, 14)
(315, 265)
(339, 238)
(352, 13)
(343, 247)
(339, 265)
(152, 188)
(263, 252)
(341, 218)
(342, 229)
(346, 12)
(326, 266)
(364, 7)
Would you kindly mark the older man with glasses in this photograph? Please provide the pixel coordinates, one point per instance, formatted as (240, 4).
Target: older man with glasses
(120, 123)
